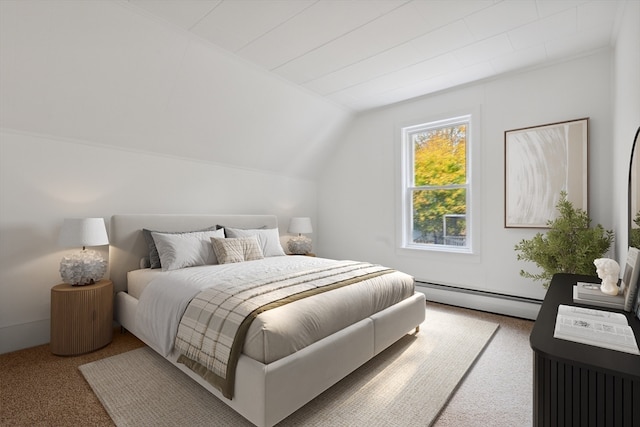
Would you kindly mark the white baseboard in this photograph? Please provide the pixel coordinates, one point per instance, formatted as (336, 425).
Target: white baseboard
(483, 301)
(25, 335)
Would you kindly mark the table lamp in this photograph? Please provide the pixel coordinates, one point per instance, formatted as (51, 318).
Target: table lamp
(300, 245)
(87, 266)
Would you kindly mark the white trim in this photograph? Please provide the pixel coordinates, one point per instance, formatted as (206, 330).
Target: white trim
(477, 300)
(24, 335)
(474, 208)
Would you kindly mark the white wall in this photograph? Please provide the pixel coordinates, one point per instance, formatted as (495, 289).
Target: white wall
(105, 72)
(626, 114)
(357, 192)
(105, 110)
(45, 179)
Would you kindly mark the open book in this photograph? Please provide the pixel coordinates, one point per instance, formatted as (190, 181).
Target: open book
(595, 327)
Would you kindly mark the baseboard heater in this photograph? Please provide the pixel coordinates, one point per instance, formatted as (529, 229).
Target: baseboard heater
(493, 302)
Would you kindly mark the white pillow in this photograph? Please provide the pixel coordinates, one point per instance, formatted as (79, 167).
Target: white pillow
(269, 239)
(186, 249)
(237, 249)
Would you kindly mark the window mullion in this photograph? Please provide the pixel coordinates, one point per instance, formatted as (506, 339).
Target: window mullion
(438, 187)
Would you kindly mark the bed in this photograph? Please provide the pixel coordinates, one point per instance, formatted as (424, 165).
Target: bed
(267, 386)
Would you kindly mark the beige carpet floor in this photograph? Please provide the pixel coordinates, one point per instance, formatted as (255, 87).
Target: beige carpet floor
(498, 391)
(406, 385)
(38, 388)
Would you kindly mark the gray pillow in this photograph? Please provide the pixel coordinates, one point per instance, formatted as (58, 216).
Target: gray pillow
(181, 250)
(154, 258)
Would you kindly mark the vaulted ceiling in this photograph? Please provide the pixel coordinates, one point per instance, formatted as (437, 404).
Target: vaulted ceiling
(367, 53)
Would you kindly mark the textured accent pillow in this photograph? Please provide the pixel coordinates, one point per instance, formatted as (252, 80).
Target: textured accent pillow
(236, 249)
(154, 258)
(180, 250)
(268, 239)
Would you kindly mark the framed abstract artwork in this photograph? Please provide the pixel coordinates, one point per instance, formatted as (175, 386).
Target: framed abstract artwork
(540, 162)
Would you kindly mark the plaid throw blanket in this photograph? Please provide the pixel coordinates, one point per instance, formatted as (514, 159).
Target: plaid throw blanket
(214, 326)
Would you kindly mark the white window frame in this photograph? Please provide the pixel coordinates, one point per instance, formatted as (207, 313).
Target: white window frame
(406, 164)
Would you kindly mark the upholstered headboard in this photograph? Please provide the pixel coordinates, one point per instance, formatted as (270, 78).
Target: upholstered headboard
(127, 244)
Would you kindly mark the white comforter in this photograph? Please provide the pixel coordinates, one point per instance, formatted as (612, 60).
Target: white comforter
(275, 333)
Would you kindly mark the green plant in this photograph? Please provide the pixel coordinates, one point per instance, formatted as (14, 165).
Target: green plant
(569, 246)
(634, 234)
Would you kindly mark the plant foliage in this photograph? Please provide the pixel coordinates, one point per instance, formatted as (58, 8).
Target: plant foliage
(634, 239)
(440, 160)
(569, 246)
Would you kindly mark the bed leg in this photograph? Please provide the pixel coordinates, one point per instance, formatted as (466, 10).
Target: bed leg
(417, 329)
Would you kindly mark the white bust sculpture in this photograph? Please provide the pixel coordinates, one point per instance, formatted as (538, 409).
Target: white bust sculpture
(608, 270)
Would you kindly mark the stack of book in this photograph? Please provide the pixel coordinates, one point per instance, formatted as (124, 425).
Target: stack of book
(590, 294)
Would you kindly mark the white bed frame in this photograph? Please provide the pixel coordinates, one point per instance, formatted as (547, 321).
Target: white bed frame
(264, 394)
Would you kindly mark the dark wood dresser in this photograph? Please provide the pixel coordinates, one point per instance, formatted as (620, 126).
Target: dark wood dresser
(577, 384)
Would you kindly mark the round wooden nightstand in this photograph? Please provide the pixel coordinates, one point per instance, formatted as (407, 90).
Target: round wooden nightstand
(81, 317)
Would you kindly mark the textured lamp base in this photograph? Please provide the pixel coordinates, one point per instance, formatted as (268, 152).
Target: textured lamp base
(83, 268)
(299, 245)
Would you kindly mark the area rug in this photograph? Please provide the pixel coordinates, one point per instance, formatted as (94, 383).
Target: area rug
(407, 384)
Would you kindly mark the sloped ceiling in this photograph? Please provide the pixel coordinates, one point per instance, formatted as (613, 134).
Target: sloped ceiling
(101, 72)
(367, 53)
(269, 85)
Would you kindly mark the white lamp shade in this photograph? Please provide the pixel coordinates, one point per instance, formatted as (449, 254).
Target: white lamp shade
(300, 225)
(83, 232)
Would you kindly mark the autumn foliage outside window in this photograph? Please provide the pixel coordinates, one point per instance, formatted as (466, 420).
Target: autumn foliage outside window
(436, 186)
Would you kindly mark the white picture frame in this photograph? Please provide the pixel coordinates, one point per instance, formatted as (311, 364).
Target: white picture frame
(638, 306)
(629, 283)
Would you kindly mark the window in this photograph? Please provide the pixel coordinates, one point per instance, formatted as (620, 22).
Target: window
(436, 191)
